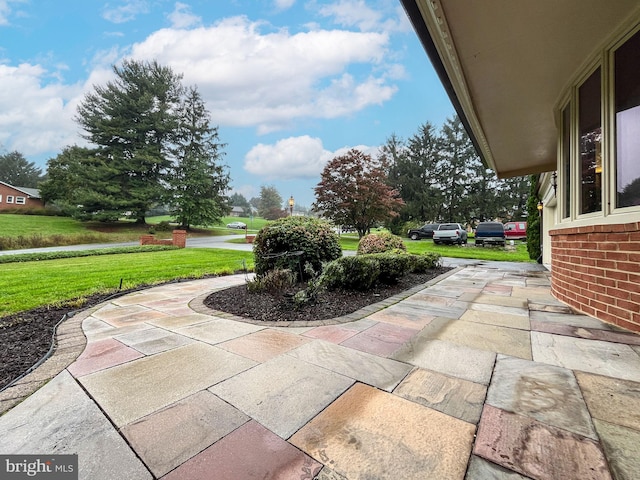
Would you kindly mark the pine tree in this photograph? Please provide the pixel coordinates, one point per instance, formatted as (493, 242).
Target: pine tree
(198, 180)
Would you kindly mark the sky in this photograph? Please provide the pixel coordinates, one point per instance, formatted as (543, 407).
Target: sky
(290, 84)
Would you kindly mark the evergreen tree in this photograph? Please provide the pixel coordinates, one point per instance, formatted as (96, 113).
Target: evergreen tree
(270, 204)
(18, 171)
(131, 121)
(198, 181)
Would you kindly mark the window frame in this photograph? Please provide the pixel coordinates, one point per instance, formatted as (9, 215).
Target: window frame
(21, 200)
(10, 198)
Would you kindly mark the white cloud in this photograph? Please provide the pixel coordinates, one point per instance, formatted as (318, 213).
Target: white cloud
(356, 13)
(284, 4)
(35, 117)
(181, 17)
(6, 9)
(124, 12)
(294, 157)
(272, 80)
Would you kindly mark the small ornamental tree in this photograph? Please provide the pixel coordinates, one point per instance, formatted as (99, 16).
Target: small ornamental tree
(353, 191)
(300, 244)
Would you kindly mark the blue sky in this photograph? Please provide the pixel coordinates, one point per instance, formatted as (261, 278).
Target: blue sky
(290, 83)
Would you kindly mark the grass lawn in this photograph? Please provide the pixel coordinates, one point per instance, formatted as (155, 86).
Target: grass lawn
(15, 225)
(518, 253)
(253, 223)
(27, 285)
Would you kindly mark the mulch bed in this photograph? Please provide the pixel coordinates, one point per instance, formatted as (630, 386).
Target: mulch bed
(266, 307)
(26, 337)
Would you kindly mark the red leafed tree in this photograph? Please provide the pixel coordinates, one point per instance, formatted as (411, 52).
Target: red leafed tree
(353, 191)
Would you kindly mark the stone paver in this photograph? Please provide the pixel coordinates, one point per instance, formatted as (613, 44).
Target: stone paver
(331, 333)
(153, 340)
(282, 394)
(264, 344)
(133, 390)
(39, 425)
(503, 320)
(381, 339)
(569, 319)
(604, 358)
(587, 333)
(102, 354)
(192, 424)
(492, 338)
(251, 451)
(448, 358)
(455, 397)
(380, 372)
(480, 469)
(537, 450)
(367, 434)
(217, 330)
(544, 392)
(611, 399)
(620, 445)
(401, 315)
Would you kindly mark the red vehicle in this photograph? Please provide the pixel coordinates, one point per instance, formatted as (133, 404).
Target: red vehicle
(515, 230)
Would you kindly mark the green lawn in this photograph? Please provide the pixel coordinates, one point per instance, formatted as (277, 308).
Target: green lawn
(28, 285)
(15, 225)
(517, 253)
(253, 223)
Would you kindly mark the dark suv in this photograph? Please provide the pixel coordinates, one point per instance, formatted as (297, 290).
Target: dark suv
(425, 231)
(490, 233)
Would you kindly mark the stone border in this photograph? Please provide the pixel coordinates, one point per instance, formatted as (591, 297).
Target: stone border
(197, 305)
(69, 344)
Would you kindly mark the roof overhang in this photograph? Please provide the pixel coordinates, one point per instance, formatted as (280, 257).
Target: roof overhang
(505, 65)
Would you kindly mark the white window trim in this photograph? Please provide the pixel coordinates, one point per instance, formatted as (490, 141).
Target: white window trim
(21, 201)
(10, 198)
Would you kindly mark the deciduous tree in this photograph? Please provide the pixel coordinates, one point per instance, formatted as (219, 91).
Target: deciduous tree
(354, 191)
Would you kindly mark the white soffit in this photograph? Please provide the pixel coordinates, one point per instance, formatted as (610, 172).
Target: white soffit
(509, 62)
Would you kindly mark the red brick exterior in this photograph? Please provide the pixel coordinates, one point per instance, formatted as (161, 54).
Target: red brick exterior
(179, 239)
(596, 270)
(8, 190)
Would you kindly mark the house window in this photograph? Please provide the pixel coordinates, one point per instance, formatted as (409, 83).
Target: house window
(590, 131)
(627, 122)
(566, 160)
(21, 200)
(9, 198)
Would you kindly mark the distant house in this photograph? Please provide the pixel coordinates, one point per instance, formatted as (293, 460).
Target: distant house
(12, 198)
(237, 212)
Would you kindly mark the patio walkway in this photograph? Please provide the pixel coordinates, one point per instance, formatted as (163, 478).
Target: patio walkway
(479, 375)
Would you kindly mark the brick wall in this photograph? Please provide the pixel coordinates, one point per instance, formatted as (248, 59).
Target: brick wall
(178, 239)
(596, 270)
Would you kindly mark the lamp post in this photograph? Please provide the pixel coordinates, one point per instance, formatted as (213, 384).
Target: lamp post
(540, 206)
(291, 204)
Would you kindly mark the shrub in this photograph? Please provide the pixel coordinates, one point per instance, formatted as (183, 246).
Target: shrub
(272, 282)
(393, 266)
(380, 242)
(425, 262)
(292, 243)
(351, 273)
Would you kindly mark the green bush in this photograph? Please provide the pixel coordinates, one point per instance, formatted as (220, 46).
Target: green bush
(380, 242)
(425, 262)
(300, 244)
(393, 266)
(272, 282)
(351, 273)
